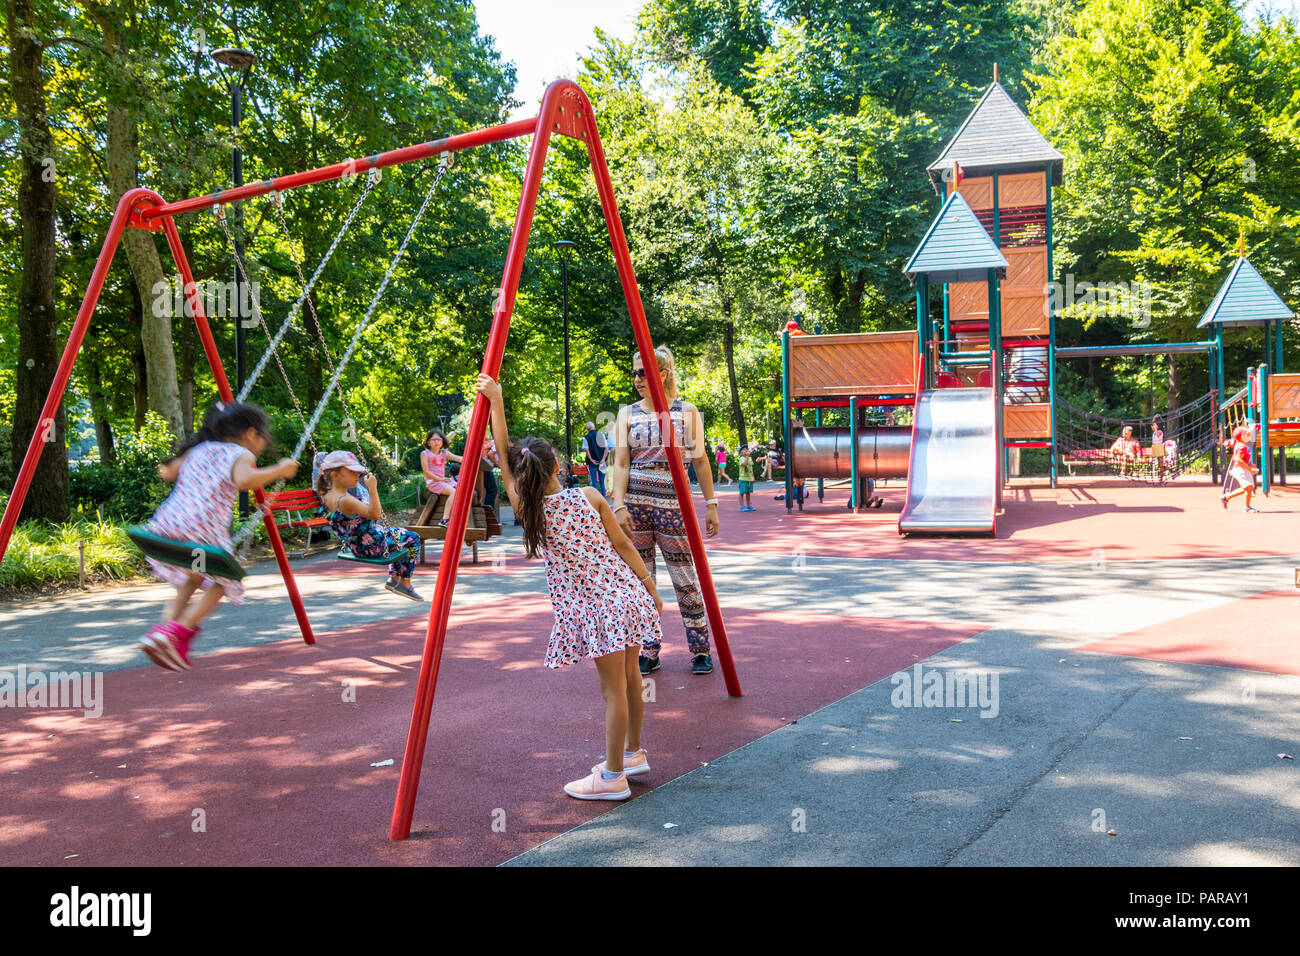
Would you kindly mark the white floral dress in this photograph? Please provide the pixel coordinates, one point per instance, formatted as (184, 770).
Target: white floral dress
(600, 606)
(200, 508)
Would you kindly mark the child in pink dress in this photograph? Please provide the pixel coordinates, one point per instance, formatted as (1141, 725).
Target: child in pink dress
(210, 469)
(605, 599)
(433, 462)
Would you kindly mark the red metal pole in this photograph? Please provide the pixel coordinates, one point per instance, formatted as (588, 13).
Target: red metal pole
(36, 446)
(559, 95)
(395, 157)
(408, 782)
(641, 329)
(223, 389)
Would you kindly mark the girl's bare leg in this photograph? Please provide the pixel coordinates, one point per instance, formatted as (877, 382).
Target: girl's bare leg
(176, 607)
(613, 687)
(635, 697)
(205, 605)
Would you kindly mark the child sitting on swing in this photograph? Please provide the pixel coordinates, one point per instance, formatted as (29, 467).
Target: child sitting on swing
(357, 522)
(209, 469)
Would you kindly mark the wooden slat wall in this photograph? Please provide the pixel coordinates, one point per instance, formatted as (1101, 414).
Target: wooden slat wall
(1024, 291)
(1029, 421)
(868, 363)
(1284, 395)
(1022, 189)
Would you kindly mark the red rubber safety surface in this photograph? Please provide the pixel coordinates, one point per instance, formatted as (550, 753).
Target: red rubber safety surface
(1128, 522)
(262, 741)
(1257, 633)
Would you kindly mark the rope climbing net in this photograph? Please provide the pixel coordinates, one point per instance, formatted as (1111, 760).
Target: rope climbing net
(1088, 440)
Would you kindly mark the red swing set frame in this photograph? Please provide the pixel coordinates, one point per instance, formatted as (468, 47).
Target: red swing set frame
(565, 110)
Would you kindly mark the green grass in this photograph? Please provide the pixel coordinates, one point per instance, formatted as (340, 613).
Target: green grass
(44, 555)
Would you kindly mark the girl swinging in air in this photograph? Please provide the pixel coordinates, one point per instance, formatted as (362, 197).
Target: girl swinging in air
(209, 469)
(604, 598)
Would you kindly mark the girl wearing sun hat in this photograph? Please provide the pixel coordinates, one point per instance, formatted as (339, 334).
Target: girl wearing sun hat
(356, 522)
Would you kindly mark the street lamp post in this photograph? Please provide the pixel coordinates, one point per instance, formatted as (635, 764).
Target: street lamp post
(235, 60)
(564, 247)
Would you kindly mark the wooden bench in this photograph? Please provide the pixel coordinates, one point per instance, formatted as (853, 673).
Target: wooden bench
(300, 509)
(484, 522)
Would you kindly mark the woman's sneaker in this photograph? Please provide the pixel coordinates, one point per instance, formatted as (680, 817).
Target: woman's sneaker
(648, 664)
(633, 766)
(596, 787)
(702, 664)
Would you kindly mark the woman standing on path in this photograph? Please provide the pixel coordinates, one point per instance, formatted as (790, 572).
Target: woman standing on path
(645, 502)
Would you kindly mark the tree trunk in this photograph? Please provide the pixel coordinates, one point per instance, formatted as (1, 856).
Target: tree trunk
(38, 326)
(123, 149)
(187, 375)
(729, 351)
(98, 400)
(139, 369)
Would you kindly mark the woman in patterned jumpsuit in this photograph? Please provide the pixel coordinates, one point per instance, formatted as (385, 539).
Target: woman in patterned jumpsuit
(645, 502)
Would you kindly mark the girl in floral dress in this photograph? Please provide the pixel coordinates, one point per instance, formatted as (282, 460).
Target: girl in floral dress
(433, 462)
(209, 469)
(356, 522)
(605, 600)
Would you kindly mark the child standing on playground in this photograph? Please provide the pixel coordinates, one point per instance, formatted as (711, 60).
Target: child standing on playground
(605, 600)
(433, 461)
(1240, 479)
(745, 492)
(209, 469)
(357, 522)
(721, 457)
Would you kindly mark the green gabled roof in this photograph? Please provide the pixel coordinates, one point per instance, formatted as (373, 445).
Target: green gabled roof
(956, 247)
(997, 138)
(1244, 299)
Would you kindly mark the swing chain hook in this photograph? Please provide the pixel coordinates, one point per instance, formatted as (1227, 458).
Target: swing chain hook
(446, 160)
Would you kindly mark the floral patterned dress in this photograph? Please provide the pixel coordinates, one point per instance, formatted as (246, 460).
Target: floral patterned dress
(600, 606)
(367, 538)
(200, 508)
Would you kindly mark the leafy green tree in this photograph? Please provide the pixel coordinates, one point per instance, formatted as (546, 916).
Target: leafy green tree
(1178, 124)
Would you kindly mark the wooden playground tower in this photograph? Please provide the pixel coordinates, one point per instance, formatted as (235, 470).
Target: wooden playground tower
(996, 327)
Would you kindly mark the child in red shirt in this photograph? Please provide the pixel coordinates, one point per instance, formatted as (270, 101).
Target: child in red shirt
(1240, 479)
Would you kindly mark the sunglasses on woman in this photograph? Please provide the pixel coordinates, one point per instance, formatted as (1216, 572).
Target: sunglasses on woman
(638, 373)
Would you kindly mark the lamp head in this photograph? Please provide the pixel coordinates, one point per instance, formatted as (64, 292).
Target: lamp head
(234, 57)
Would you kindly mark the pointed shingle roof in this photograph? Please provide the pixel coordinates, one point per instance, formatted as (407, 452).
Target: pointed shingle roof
(997, 138)
(1244, 299)
(956, 247)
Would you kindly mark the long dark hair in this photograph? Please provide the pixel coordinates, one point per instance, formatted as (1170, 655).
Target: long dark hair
(532, 463)
(227, 421)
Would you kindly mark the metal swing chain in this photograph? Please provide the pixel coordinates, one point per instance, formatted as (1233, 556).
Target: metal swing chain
(277, 203)
(220, 213)
(371, 180)
(443, 166)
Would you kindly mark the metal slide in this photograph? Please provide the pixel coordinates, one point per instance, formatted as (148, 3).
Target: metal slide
(953, 466)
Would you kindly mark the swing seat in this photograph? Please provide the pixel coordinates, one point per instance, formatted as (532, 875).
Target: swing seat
(345, 554)
(187, 555)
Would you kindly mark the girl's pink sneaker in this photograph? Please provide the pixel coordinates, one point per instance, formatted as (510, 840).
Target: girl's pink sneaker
(595, 787)
(633, 766)
(157, 645)
(168, 645)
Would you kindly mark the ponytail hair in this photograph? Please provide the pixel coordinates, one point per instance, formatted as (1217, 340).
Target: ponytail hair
(532, 463)
(226, 421)
(664, 359)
